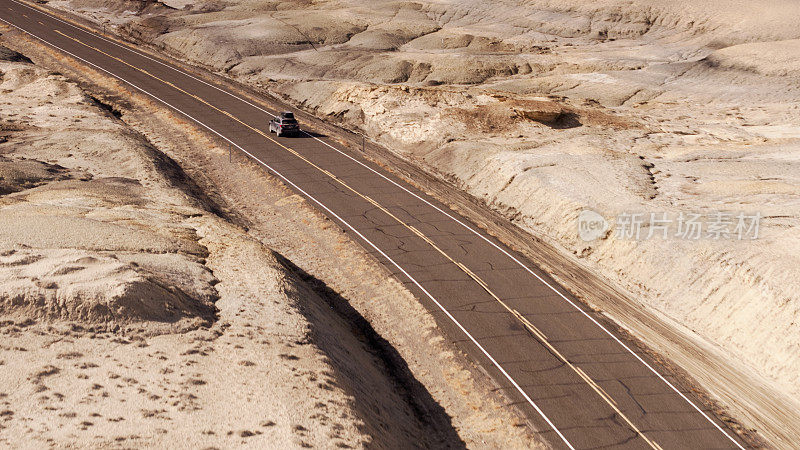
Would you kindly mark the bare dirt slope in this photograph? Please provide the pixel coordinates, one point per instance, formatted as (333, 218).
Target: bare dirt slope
(542, 109)
(134, 313)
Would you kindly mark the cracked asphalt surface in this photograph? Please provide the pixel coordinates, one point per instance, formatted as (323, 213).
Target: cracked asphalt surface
(516, 313)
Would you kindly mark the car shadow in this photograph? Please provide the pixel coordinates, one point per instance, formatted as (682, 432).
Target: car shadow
(310, 134)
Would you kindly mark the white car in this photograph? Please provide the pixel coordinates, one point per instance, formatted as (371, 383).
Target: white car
(285, 124)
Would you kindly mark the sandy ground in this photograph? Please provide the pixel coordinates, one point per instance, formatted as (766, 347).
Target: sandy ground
(134, 311)
(544, 109)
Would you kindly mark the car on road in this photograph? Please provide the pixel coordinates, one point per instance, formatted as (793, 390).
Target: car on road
(284, 125)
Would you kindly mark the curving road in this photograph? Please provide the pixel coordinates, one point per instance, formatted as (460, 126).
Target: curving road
(581, 385)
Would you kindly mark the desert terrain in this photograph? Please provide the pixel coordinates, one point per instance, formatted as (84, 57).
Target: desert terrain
(544, 109)
(137, 311)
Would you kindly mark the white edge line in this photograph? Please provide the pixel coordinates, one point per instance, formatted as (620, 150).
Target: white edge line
(450, 316)
(512, 257)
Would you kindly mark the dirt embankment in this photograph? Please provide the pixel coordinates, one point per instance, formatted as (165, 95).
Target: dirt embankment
(134, 313)
(544, 110)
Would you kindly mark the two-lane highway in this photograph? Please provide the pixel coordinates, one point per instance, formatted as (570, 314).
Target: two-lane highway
(581, 384)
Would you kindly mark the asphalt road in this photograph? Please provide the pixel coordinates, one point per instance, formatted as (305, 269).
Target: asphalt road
(581, 385)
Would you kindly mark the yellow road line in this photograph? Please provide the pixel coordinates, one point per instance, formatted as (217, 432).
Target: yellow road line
(528, 325)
